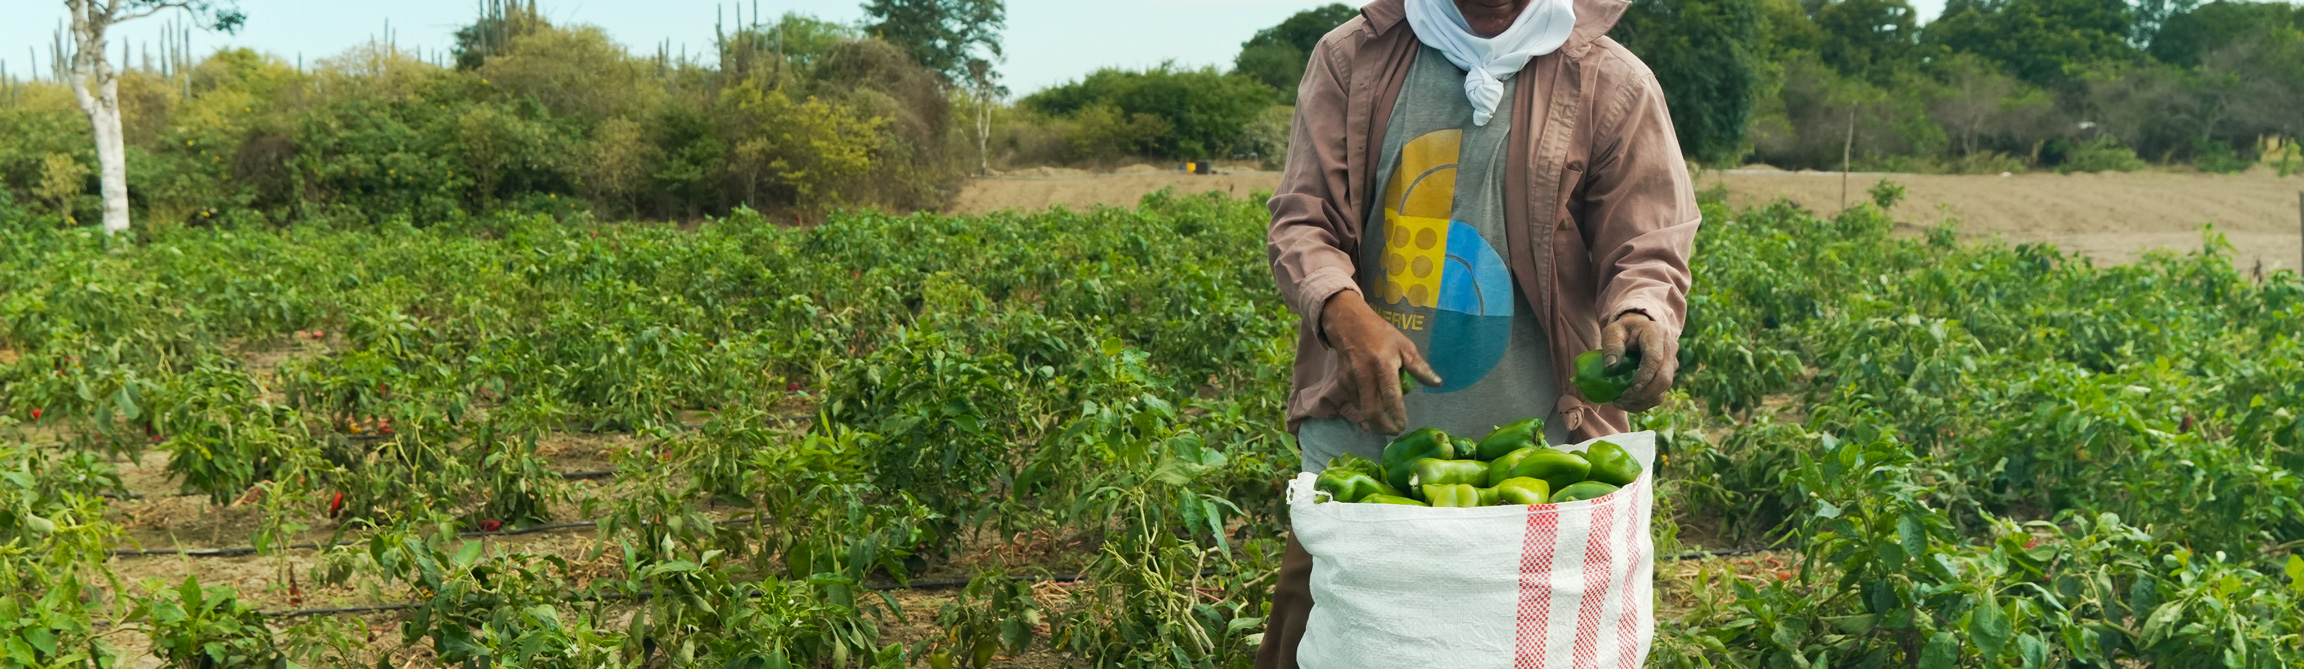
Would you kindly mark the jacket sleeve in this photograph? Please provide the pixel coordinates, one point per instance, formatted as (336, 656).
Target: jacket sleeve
(1313, 237)
(1640, 208)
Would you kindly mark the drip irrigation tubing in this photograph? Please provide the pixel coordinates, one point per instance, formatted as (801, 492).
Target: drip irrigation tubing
(935, 584)
(250, 550)
(569, 476)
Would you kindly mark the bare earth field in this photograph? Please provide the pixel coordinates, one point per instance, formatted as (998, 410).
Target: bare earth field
(2111, 217)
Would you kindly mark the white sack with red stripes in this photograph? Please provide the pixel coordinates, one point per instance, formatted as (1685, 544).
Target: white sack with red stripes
(1555, 586)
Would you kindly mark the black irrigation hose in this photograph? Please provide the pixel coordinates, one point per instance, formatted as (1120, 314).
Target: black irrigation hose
(132, 497)
(684, 427)
(1698, 555)
(569, 476)
(937, 584)
(249, 550)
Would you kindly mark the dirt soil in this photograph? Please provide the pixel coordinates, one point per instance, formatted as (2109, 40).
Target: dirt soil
(2110, 217)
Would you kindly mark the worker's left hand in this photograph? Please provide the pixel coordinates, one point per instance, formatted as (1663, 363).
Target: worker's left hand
(1659, 358)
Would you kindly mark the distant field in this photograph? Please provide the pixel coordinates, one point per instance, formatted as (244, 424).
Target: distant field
(2112, 217)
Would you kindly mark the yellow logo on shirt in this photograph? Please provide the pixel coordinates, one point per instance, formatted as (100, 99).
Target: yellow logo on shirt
(1417, 204)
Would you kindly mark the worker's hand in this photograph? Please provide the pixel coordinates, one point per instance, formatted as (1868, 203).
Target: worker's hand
(1372, 353)
(1659, 358)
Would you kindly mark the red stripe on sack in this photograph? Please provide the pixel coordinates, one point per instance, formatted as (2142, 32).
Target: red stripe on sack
(1628, 618)
(1535, 589)
(1597, 562)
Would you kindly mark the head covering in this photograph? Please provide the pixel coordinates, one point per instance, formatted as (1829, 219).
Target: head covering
(1541, 28)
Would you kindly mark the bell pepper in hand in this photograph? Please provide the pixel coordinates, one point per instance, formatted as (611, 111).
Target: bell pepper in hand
(1603, 383)
(1511, 438)
(1611, 464)
(1390, 499)
(1432, 471)
(1582, 491)
(1350, 486)
(1523, 490)
(1452, 495)
(1557, 468)
(1416, 445)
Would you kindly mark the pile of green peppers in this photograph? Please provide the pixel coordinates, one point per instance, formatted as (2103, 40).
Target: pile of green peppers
(1511, 466)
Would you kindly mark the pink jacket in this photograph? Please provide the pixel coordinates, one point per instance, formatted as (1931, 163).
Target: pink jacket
(1600, 213)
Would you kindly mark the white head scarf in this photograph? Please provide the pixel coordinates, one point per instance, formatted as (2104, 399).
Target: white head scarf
(1541, 29)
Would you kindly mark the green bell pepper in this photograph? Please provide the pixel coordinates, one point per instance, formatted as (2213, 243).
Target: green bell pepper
(1611, 464)
(1419, 444)
(1390, 499)
(1602, 383)
(1434, 471)
(1557, 468)
(1523, 490)
(1582, 491)
(1452, 495)
(1350, 486)
(1511, 438)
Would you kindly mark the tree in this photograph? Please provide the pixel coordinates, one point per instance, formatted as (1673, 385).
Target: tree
(1203, 111)
(2186, 36)
(1978, 103)
(1277, 55)
(1867, 38)
(984, 90)
(1703, 53)
(2037, 40)
(500, 22)
(96, 86)
(945, 35)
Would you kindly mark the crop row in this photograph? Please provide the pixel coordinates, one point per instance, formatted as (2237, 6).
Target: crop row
(1982, 454)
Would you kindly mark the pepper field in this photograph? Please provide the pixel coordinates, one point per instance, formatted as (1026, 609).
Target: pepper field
(1047, 439)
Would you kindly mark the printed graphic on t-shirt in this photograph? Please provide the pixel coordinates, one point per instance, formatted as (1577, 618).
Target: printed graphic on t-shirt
(1444, 284)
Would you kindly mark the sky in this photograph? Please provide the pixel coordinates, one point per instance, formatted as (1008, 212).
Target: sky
(1048, 42)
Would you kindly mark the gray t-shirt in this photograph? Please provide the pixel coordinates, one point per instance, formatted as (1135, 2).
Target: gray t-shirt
(1432, 262)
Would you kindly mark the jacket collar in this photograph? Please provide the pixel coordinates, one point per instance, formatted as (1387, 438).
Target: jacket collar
(1594, 18)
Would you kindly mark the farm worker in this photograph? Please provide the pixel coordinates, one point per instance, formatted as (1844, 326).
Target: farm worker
(1476, 192)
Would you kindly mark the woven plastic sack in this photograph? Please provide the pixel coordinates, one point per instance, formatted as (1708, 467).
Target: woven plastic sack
(1562, 586)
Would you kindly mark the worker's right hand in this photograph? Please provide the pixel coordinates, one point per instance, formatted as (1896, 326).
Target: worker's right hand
(1372, 353)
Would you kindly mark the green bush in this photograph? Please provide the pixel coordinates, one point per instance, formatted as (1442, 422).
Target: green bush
(2102, 154)
(2218, 157)
(1205, 111)
(197, 627)
(537, 118)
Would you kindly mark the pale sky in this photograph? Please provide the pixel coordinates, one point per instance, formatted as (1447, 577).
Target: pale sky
(1048, 41)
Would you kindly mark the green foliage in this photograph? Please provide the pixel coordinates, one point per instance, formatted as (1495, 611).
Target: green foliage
(2041, 41)
(535, 118)
(1704, 54)
(197, 627)
(501, 22)
(1277, 55)
(1972, 454)
(1204, 112)
(1867, 38)
(2102, 154)
(2189, 36)
(947, 36)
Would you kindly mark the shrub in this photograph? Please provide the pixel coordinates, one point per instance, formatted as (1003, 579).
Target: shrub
(2100, 155)
(1205, 111)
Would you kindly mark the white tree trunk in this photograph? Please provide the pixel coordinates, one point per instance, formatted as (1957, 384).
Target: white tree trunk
(984, 133)
(97, 88)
